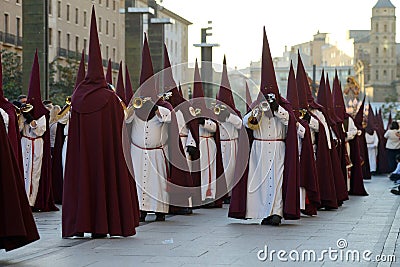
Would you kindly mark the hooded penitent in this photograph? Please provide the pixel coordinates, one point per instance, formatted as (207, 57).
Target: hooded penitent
(17, 226)
(98, 198)
(198, 102)
(57, 167)
(225, 92)
(383, 165)
(308, 171)
(248, 98)
(44, 200)
(358, 121)
(13, 128)
(323, 157)
(180, 176)
(291, 179)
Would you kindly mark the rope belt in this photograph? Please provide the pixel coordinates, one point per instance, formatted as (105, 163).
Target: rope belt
(206, 136)
(270, 140)
(183, 135)
(226, 140)
(156, 148)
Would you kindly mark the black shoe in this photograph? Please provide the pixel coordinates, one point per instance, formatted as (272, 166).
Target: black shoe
(97, 236)
(160, 217)
(395, 191)
(276, 220)
(142, 217)
(266, 221)
(227, 200)
(181, 211)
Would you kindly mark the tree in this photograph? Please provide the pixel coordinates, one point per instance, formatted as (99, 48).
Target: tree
(62, 80)
(12, 74)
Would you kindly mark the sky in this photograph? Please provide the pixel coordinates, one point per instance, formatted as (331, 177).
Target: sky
(237, 25)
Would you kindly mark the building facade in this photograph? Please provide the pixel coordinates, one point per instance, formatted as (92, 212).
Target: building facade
(11, 26)
(375, 53)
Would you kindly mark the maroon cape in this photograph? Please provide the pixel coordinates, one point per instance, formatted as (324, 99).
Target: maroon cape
(291, 178)
(99, 191)
(356, 179)
(323, 162)
(17, 226)
(56, 164)
(308, 172)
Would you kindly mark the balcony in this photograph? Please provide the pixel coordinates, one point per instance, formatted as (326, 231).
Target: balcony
(10, 39)
(65, 53)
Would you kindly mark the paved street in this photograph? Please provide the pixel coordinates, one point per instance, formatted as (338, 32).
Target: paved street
(209, 238)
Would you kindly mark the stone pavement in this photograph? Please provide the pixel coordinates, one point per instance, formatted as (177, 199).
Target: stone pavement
(209, 238)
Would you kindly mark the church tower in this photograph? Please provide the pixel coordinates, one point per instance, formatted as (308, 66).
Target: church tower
(383, 49)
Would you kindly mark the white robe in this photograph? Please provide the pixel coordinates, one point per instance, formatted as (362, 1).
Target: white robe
(53, 131)
(183, 133)
(32, 154)
(208, 162)
(149, 157)
(300, 136)
(266, 164)
(229, 134)
(64, 120)
(372, 145)
(5, 118)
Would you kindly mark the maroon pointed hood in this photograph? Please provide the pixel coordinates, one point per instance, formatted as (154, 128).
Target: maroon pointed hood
(306, 87)
(338, 100)
(147, 80)
(322, 98)
(268, 79)
(80, 76)
(329, 98)
(169, 82)
(359, 117)
(248, 98)
(94, 79)
(302, 84)
(292, 93)
(109, 72)
(120, 89)
(4, 104)
(198, 88)
(34, 96)
(225, 92)
(371, 122)
(128, 86)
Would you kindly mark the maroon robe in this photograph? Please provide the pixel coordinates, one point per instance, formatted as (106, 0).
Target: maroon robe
(99, 191)
(17, 226)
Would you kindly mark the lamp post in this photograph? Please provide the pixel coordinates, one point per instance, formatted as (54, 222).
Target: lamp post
(206, 61)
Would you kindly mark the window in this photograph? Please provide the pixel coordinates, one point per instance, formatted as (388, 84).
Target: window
(76, 43)
(59, 9)
(376, 27)
(377, 51)
(107, 49)
(6, 23)
(384, 51)
(76, 15)
(384, 73)
(113, 29)
(17, 1)
(68, 6)
(114, 5)
(385, 28)
(377, 75)
(84, 18)
(68, 40)
(99, 2)
(99, 24)
(59, 39)
(18, 27)
(113, 55)
(84, 44)
(50, 36)
(50, 7)
(107, 27)
(107, 3)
